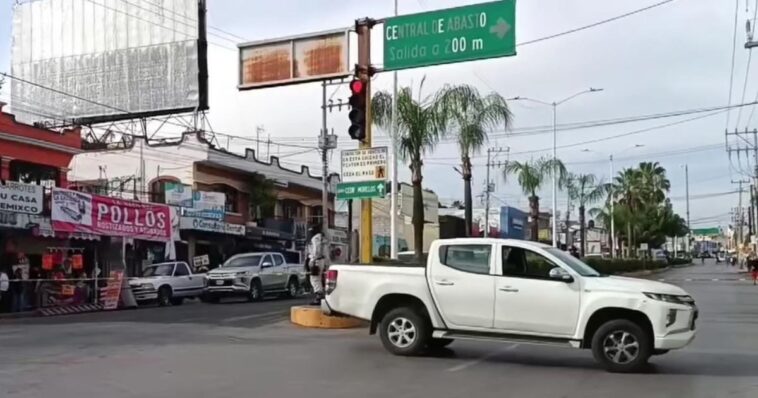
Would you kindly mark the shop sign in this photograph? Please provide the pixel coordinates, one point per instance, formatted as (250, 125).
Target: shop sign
(77, 212)
(16, 220)
(210, 205)
(178, 194)
(338, 236)
(21, 198)
(200, 224)
(112, 291)
(200, 261)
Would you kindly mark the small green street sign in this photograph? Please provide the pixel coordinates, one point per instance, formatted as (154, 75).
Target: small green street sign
(458, 34)
(361, 190)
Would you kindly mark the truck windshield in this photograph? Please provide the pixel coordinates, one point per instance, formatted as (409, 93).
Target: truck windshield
(246, 261)
(159, 270)
(573, 262)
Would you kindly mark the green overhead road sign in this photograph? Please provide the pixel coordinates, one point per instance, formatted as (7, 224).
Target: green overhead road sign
(361, 190)
(458, 34)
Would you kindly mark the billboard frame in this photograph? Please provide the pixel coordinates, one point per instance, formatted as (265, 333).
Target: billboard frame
(292, 39)
(203, 97)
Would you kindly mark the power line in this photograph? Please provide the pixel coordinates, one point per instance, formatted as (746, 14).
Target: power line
(598, 23)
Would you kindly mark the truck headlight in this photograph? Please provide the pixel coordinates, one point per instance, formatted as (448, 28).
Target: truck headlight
(243, 273)
(670, 298)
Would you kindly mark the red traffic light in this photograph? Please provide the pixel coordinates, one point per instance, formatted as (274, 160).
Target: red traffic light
(357, 86)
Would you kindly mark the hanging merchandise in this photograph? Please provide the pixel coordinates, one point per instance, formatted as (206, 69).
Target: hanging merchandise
(77, 262)
(58, 258)
(47, 262)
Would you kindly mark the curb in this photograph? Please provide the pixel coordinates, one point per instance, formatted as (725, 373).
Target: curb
(646, 272)
(312, 317)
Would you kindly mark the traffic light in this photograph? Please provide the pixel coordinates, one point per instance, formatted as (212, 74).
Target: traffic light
(357, 113)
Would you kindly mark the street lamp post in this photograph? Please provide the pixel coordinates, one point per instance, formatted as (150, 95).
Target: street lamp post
(554, 105)
(610, 180)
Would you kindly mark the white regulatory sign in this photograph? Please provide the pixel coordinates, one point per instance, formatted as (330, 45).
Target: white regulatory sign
(364, 165)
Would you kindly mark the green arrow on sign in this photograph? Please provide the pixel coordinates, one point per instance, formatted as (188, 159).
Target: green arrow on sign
(458, 34)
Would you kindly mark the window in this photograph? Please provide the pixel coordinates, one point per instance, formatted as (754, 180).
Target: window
(181, 270)
(467, 258)
(158, 270)
(525, 263)
(575, 264)
(278, 260)
(244, 261)
(267, 261)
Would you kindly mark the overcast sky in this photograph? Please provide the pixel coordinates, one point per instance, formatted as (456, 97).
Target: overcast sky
(673, 57)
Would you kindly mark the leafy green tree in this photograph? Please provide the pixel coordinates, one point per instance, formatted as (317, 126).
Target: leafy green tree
(420, 122)
(585, 190)
(471, 115)
(531, 175)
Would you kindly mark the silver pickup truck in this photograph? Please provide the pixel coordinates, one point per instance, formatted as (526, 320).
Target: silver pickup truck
(254, 275)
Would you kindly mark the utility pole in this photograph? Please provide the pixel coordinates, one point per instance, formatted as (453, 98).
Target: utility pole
(363, 29)
(489, 188)
(258, 131)
(687, 193)
(393, 176)
(741, 213)
(613, 222)
(326, 142)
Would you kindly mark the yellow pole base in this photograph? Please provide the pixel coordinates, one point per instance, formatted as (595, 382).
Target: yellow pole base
(312, 317)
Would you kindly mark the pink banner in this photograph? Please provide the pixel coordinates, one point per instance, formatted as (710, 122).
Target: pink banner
(74, 211)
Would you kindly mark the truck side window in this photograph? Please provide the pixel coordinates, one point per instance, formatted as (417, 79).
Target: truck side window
(181, 270)
(523, 263)
(467, 258)
(278, 260)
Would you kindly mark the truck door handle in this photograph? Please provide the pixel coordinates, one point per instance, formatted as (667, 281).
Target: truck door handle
(508, 289)
(444, 283)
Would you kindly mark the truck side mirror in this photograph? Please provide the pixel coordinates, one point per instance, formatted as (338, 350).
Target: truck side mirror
(267, 265)
(560, 274)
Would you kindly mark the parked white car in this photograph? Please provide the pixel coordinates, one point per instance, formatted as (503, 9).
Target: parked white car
(515, 291)
(168, 283)
(254, 275)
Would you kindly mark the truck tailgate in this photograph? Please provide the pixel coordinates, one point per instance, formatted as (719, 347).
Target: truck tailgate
(359, 287)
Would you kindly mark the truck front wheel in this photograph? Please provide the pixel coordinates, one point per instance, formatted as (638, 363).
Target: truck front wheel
(404, 332)
(622, 346)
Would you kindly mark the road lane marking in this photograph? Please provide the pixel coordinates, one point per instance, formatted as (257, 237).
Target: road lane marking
(253, 316)
(483, 358)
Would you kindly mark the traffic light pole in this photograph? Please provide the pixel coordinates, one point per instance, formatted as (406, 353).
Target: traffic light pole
(324, 166)
(363, 29)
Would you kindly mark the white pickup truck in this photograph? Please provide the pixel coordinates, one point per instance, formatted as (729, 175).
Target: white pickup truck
(515, 291)
(167, 283)
(254, 275)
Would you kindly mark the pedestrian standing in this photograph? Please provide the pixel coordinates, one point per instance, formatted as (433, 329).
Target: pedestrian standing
(18, 288)
(4, 293)
(315, 263)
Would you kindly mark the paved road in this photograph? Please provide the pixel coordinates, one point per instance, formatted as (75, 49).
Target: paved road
(249, 350)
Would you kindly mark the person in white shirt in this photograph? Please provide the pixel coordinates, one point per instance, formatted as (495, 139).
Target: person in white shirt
(316, 262)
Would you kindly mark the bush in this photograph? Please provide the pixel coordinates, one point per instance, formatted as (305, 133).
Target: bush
(622, 265)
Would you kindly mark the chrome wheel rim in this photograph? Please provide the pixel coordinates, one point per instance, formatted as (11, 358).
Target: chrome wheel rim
(401, 332)
(254, 293)
(293, 289)
(621, 347)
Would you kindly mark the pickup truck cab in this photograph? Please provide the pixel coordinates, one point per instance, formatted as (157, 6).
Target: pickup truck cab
(254, 275)
(168, 283)
(515, 291)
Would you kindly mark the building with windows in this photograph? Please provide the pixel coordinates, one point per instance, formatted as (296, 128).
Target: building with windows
(226, 202)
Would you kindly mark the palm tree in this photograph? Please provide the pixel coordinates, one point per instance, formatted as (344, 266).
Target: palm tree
(586, 190)
(420, 123)
(471, 115)
(653, 182)
(531, 176)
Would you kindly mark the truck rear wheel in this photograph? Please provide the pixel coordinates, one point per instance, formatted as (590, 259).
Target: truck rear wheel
(621, 346)
(404, 332)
